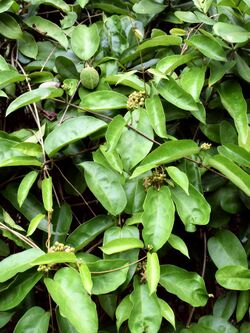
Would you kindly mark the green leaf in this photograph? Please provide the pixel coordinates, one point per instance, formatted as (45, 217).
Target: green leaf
(85, 41)
(179, 177)
(233, 277)
(71, 131)
(132, 146)
(9, 220)
(21, 160)
(62, 218)
(9, 27)
(88, 231)
(29, 148)
(108, 303)
(85, 277)
(167, 152)
(17, 263)
(14, 295)
(5, 5)
(234, 102)
(225, 305)
(33, 96)
(47, 195)
(81, 312)
(234, 173)
(156, 115)
(174, 94)
(106, 186)
(243, 303)
(52, 258)
(5, 318)
(25, 186)
(114, 131)
(220, 250)
(136, 194)
(48, 28)
(236, 154)
(193, 209)
(208, 47)
(66, 68)
(216, 324)
(218, 70)
(232, 33)
(34, 223)
(164, 40)
(82, 3)
(168, 64)
(123, 311)
(188, 286)
(104, 100)
(60, 4)
(178, 244)
(192, 80)
(63, 324)
(148, 7)
(153, 272)
(10, 76)
(167, 312)
(120, 245)
(158, 217)
(146, 311)
(35, 319)
(28, 46)
(242, 68)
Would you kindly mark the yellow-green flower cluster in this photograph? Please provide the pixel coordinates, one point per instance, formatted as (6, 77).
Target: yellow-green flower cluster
(136, 100)
(44, 268)
(157, 179)
(60, 247)
(206, 146)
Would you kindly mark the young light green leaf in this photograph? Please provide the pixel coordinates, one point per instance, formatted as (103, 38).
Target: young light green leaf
(29, 148)
(164, 40)
(47, 190)
(71, 131)
(148, 7)
(236, 154)
(85, 276)
(48, 28)
(10, 76)
(9, 27)
(220, 250)
(171, 62)
(105, 184)
(158, 217)
(34, 224)
(168, 152)
(233, 172)
(156, 115)
(233, 277)
(114, 131)
(243, 303)
(152, 272)
(121, 245)
(52, 258)
(188, 286)
(167, 312)
(9, 220)
(85, 41)
(5, 5)
(17, 263)
(35, 319)
(123, 311)
(25, 186)
(81, 312)
(33, 96)
(234, 102)
(178, 244)
(28, 46)
(104, 100)
(192, 80)
(179, 177)
(232, 33)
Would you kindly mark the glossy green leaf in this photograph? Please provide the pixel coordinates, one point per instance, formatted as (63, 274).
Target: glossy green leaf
(17, 263)
(242, 68)
(156, 115)
(106, 186)
(166, 153)
(47, 193)
(225, 305)
(128, 79)
(234, 173)
(132, 146)
(188, 286)
(216, 324)
(136, 194)
(34, 223)
(234, 102)
(5, 317)
(85, 41)
(52, 258)
(208, 47)
(35, 319)
(174, 94)
(120, 245)
(60, 4)
(243, 303)
(148, 7)
(20, 160)
(9, 220)
(10, 76)
(178, 244)
(63, 324)
(88, 231)
(33, 96)
(164, 40)
(108, 303)
(233, 277)
(5, 5)
(48, 28)
(104, 100)
(67, 286)
(167, 312)
(114, 131)
(146, 311)
(82, 3)
(29, 148)
(236, 154)
(231, 33)
(158, 217)
(123, 311)
(153, 272)
(85, 277)
(14, 295)
(66, 68)
(170, 63)
(71, 131)
(28, 46)
(25, 186)
(62, 218)
(192, 80)
(220, 250)
(179, 177)
(9, 27)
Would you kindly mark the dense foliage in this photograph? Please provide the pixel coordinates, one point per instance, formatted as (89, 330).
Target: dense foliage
(125, 158)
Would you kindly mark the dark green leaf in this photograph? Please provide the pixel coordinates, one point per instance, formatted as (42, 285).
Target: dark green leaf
(25, 186)
(35, 319)
(9, 27)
